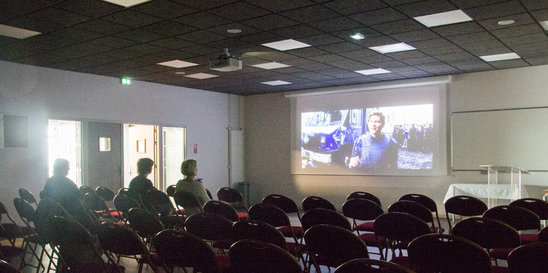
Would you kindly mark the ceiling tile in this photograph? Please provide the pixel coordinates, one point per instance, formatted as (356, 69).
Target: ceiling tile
(131, 18)
(271, 21)
(378, 16)
(169, 28)
(336, 24)
(139, 35)
(58, 16)
(521, 19)
(94, 9)
(456, 29)
(495, 10)
(321, 39)
(341, 47)
(203, 5)
(280, 5)
(163, 9)
(203, 20)
(398, 26)
(202, 37)
(295, 32)
(308, 52)
(426, 7)
(172, 43)
(310, 14)
(417, 35)
(102, 26)
(239, 11)
(354, 6)
(465, 4)
(517, 31)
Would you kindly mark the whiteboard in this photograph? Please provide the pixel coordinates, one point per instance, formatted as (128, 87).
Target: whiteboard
(510, 137)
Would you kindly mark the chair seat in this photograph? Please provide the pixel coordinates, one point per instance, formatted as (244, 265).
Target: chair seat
(402, 260)
(224, 262)
(370, 239)
(500, 253)
(286, 231)
(366, 226)
(499, 269)
(528, 238)
(242, 215)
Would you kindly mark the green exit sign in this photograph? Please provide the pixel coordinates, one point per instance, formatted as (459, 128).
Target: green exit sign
(125, 81)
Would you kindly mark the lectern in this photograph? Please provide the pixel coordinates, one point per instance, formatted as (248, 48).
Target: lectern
(493, 172)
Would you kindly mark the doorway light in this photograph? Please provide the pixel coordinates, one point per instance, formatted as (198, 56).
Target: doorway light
(126, 3)
(357, 36)
(374, 71)
(286, 45)
(271, 65)
(201, 76)
(177, 64)
(274, 83)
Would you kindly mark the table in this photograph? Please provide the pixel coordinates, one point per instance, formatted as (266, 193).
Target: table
(498, 191)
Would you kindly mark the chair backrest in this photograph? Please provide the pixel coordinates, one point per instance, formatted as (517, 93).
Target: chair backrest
(283, 202)
(85, 189)
(170, 190)
(319, 216)
(543, 235)
(25, 210)
(120, 240)
(187, 201)
(425, 201)
(312, 202)
(400, 226)
(448, 254)
(487, 232)
(46, 210)
(221, 208)
(231, 195)
(159, 200)
(144, 222)
(209, 226)
(530, 258)
(365, 265)
(538, 206)
(105, 193)
(5, 267)
(258, 230)
(333, 245)
(361, 209)
(364, 195)
(251, 256)
(413, 208)
(517, 217)
(27, 196)
(464, 205)
(184, 249)
(94, 202)
(124, 202)
(269, 213)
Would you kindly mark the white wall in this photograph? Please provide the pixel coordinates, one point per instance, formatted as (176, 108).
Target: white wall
(267, 145)
(41, 93)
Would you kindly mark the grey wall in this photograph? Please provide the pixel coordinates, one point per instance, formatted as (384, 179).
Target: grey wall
(267, 141)
(41, 94)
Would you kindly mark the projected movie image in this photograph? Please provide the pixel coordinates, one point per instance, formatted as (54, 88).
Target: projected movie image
(371, 140)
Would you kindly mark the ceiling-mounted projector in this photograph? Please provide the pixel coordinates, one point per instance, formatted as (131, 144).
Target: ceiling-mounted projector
(225, 62)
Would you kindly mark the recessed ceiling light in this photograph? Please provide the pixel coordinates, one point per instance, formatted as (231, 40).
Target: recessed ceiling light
(392, 48)
(443, 18)
(126, 3)
(234, 30)
(544, 24)
(286, 45)
(177, 64)
(15, 32)
(271, 65)
(373, 71)
(500, 57)
(201, 76)
(274, 83)
(506, 22)
(180, 72)
(357, 36)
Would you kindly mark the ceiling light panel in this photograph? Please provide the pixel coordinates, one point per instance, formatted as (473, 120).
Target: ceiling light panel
(126, 3)
(271, 65)
(286, 45)
(443, 18)
(15, 32)
(500, 57)
(201, 76)
(177, 64)
(274, 83)
(373, 71)
(544, 24)
(392, 48)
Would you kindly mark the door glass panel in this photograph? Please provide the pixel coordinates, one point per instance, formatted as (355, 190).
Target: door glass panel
(65, 141)
(174, 154)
